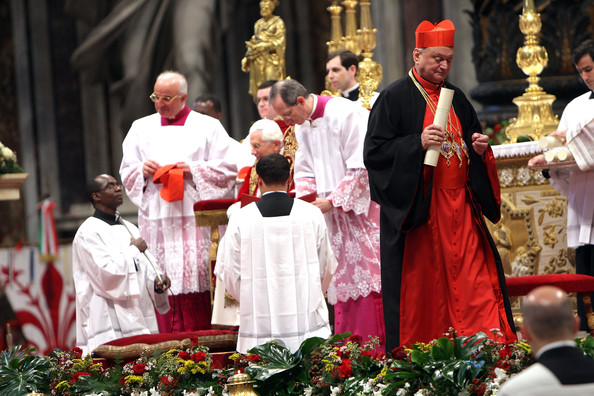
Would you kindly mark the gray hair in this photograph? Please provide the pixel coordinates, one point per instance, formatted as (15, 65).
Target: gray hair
(289, 90)
(183, 83)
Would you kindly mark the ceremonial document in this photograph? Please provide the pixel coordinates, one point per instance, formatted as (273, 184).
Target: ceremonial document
(441, 118)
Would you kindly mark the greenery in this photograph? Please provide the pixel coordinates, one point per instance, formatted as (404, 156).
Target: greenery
(8, 161)
(341, 365)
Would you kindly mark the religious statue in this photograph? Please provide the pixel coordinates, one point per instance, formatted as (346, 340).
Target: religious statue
(265, 55)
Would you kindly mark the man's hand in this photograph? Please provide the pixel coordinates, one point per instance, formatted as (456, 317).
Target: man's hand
(432, 136)
(537, 160)
(323, 204)
(480, 143)
(149, 167)
(139, 243)
(186, 168)
(160, 287)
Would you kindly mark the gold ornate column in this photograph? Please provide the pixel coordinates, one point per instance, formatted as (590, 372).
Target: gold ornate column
(535, 112)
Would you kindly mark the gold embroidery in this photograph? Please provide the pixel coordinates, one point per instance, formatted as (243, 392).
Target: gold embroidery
(450, 145)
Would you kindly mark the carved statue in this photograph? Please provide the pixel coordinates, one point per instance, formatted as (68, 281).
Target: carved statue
(265, 55)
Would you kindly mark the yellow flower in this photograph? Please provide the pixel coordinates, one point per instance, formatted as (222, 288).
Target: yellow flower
(62, 386)
(134, 379)
(525, 346)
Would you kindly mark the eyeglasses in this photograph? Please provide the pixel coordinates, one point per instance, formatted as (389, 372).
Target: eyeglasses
(154, 97)
(288, 115)
(111, 186)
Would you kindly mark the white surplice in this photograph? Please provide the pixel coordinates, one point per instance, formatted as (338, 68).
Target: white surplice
(278, 269)
(114, 285)
(169, 228)
(574, 183)
(329, 161)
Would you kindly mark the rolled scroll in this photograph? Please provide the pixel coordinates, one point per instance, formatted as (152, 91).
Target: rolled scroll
(441, 118)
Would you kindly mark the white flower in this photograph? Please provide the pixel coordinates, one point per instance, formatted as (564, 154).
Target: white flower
(6, 153)
(422, 392)
(401, 392)
(378, 390)
(334, 390)
(308, 391)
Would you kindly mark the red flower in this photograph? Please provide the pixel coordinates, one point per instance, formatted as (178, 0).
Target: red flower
(399, 353)
(139, 368)
(168, 382)
(194, 341)
(254, 358)
(183, 355)
(77, 353)
(357, 339)
(76, 376)
(504, 353)
(198, 356)
(345, 369)
(367, 353)
(497, 127)
(380, 355)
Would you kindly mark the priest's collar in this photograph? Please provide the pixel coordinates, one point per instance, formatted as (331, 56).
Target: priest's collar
(429, 86)
(346, 93)
(179, 119)
(111, 219)
(319, 105)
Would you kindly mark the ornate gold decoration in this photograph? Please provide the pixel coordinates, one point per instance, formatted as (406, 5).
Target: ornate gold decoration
(10, 185)
(359, 41)
(240, 384)
(351, 39)
(369, 72)
(265, 55)
(535, 112)
(336, 41)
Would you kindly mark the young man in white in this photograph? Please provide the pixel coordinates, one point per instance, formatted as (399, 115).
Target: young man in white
(276, 260)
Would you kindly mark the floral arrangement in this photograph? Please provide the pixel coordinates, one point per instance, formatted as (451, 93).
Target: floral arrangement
(8, 161)
(497, 133)
(341, 365)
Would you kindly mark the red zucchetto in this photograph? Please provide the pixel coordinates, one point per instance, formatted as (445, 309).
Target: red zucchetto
(435, 35)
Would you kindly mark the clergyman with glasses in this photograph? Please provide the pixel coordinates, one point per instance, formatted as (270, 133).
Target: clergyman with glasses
(172, 159)
(117, 288)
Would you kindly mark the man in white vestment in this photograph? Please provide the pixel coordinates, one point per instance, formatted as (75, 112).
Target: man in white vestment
(172, 159)
(329, 161)
(577, 183)
(277, 261)
(561, 368)
(117, 289)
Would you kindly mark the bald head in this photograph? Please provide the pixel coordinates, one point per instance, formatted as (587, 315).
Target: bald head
(548, 314)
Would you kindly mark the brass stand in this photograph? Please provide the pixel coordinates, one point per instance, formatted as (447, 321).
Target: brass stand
(535, 112)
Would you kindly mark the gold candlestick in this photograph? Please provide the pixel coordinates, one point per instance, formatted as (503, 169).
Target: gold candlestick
(535, 112)
(369, 72)
(336, 40)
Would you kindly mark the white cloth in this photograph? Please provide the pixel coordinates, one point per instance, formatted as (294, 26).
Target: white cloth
(169, 228)
(537, 380)
(575, 184)
(113, 299)
(329, 161)
(278, 269)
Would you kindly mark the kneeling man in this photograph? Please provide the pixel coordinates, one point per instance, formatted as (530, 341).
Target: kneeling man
(277, 261)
